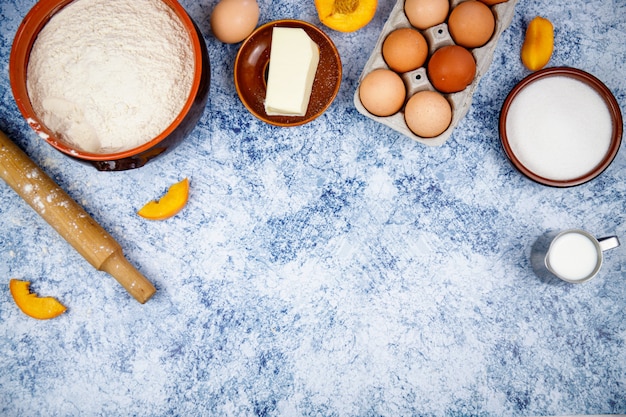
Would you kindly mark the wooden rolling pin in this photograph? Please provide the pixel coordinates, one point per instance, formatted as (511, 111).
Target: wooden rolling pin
(69, 219)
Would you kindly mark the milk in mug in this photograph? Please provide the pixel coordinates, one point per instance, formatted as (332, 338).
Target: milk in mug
(573, 256)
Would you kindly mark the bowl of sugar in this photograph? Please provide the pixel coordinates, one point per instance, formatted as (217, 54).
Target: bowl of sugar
(561, 126)
(114, 84)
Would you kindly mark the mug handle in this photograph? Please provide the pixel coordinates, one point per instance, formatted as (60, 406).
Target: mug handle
(608, 242)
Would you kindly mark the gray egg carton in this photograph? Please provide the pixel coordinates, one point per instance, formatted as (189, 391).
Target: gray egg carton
(417, 80)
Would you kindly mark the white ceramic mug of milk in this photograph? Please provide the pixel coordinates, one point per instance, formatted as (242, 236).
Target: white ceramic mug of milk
(576, 256)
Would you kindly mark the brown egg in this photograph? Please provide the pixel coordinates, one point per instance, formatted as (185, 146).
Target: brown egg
(471, 24)
(492, 2)
(426, 13)
(451, 68)
(233, 20)
(382, 92)
(428, 114)
(405, 49)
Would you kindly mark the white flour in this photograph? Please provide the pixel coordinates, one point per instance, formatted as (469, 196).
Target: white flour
(110, 75)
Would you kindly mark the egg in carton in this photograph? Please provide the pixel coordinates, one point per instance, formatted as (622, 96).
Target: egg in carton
(417, 80)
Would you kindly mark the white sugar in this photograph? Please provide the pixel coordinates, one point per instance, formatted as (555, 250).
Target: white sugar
(559, 128)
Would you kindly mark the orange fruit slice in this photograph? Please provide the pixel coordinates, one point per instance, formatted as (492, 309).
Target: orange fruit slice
(41, 308)
(538, 44)
(346, 15)
(169, 205)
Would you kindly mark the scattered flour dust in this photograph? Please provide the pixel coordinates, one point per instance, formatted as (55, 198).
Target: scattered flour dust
(110, 75)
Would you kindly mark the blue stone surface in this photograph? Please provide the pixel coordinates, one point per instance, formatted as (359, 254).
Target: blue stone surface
(333, 269)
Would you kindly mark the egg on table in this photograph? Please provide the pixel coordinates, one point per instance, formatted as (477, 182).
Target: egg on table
(232, 21)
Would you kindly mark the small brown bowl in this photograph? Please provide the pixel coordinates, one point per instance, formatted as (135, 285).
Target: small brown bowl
(182, 125)
(528, 164)
(251, 66)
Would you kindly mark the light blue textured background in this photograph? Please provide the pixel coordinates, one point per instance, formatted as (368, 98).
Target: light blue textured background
(333, 269)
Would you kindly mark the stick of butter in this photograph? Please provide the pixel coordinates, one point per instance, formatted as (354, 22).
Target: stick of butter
(293, 64)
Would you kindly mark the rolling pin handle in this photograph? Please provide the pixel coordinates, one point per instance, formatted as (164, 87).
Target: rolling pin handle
(130, 278)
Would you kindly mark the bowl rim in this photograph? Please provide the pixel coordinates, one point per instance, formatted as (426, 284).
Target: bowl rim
(589, 80)
(34, 21)
(293, 120)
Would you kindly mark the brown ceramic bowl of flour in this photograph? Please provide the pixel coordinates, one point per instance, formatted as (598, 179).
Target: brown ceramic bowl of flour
(114, 84)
